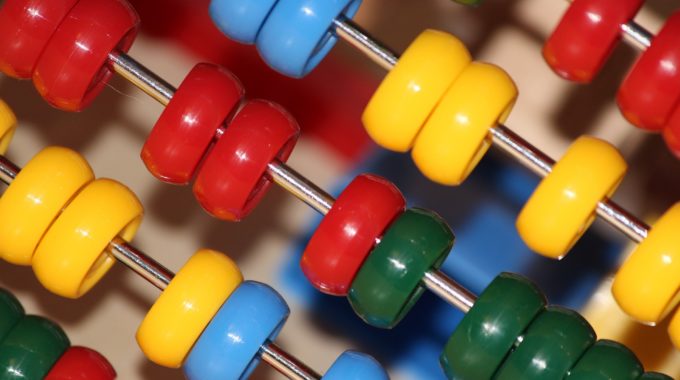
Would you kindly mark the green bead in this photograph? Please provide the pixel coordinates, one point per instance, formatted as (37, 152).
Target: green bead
(469, 2)
(10, 312)
(486, 335)
(550, 347)
(607, 360)
(390, 281)
(31, 348)
(654, 376)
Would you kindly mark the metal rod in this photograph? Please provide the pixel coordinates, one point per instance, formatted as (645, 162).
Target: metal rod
(357, 37)
(286, 364)
(8, 171)
(300, 187)
(145, 79)
(143, 265)
(449, 290)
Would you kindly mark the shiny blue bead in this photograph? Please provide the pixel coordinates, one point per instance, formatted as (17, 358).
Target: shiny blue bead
(240, 20)
(352, 365)
(298, 34)
(228, 348)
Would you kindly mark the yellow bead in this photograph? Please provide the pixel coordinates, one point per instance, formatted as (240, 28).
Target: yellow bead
(456, 135)
(647, 284)
(674, 329)
(35, 199)
(72, 256)
(564, 204)
(187, 305)
(411, 90)
(8, 124)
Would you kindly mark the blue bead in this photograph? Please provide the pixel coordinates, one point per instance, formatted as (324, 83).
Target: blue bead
(240, 20)
(352, 365)
(228, 347)
(298, 34)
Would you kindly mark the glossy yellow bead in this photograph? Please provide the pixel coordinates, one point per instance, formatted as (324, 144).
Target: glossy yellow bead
(187, 305)
(647, 286)
(674, 329)
(8, 124)
(456, 135)
(35, 199)
(72, 257)
(412, 89)
(564, 204)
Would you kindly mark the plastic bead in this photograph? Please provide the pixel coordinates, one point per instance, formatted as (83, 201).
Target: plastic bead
(411, 90)
(11, 312)
(80, 363)
(551, 345)
(240, 20)
(489, 330)
(35, 199)
(651, 91)
(231, 181)
(674, 329)
(349, 232)
(8, 123)
(72, 258)
(654, 376)
(586, 36)
(671, 132)
(298, 34)
(352, 365)
(647, 284)
(189, 123)
(606, 360)
(187, 305)
(563, 205)
(229, 347)
(390, 281)
(26, 27)
(31, 348)
(73, 69)
(456, 136)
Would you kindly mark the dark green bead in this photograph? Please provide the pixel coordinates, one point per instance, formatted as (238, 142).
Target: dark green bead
(485, 336)
(607, 360)
(31, 348)
(390, 281)
(469, 2)
(10, 312)
(550, 347)
(654, 376)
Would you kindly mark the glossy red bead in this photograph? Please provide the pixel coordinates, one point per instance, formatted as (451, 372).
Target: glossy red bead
(651, 90)
(231, 181)
(185, 129)
(671, 133)
(73, 69)
(349, 231)
(586, 35)
(80, 363)
(25, 28)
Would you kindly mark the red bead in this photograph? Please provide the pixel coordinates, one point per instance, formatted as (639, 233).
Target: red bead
(25, 28)
(80, 363)
(231, 181)
(349, 231)
(671, 133)
(651, 90)
(73, 68)
(586, 36)
(188, 124)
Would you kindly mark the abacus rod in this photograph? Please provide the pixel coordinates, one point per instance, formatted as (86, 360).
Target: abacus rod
(8, 171)
(449, 290)
(357, 37)
(286, 364)
(151, 270)
(145, 79)
(300, 187)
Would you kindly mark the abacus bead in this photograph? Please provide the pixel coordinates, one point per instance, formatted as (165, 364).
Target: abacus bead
(564, 204)
(411, 90)
(586, 36)
(35, 199)
(189, 123)
(298, 34)
(186, 306)
(229, 347)
(606, 360)
(352, 365)
(73, 69)
(26, 27)
(671, 132)
(8, 123)
(11, 312)
(674, 329)
(81, 363)
(31, 348)
(71, 258)
(654, 376)
(232, 180)
(240, 20)
(488, 331)
(651, 91)
(390, 281)
(349, 231)
(456, 136)
(551, 345)
(647, 284)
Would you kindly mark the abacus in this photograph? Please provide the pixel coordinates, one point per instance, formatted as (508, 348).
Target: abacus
(280, 173)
